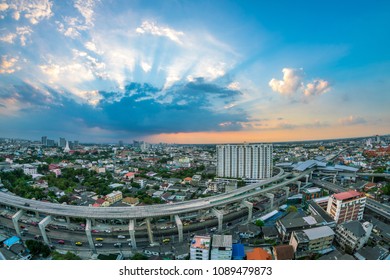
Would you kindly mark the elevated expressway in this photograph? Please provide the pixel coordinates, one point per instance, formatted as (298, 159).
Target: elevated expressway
(371, 204)
(173, 210)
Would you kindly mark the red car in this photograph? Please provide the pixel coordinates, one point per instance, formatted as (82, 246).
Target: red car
(61, 242)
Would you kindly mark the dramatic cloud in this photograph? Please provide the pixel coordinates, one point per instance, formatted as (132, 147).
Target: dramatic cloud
(8, 64)
(151, 28)
(317, 87)
(33, 10)
(292, 81)
(352, 120)
(140, 109)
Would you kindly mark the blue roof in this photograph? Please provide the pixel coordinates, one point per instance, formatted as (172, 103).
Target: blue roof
(11, 241)
(346, 168)
(238, 252)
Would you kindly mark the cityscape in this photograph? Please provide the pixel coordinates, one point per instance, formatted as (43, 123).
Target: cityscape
(194, 130)
(326, 200)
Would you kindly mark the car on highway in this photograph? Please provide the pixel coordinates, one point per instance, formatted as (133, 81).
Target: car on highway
(61, 241)
(166, 240)
(121, 236)
(99, 239)
(78, 243)
(163, 227)
(107, 231)
(118, 244)
(94, 231)
(98, 245)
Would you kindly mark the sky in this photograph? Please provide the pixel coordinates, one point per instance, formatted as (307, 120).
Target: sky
(194, 71)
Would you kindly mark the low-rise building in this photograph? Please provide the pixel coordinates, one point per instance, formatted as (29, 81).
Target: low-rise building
(221, 247)
(200, 247)
(113, 197)
(284, 252)
(353, 235)
(314, 240)
(258, 254)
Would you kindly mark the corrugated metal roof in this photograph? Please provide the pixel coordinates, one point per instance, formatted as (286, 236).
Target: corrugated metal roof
(319, 232)
(222, 241)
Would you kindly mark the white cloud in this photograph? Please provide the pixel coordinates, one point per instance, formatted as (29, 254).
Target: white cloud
(352, 120)
(152, 28)
(3, 7)
(33, 10)
(292, 81)
(7, 65)
(92, 47)
(234, 86)
(9, 38)
(85, 7)
(22, 33)
(146, 66)
(73, 26)
(317, 87)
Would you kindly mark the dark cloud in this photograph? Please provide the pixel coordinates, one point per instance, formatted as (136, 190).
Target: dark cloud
(141, 109)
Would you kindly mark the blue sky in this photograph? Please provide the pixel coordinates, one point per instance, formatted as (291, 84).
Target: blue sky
(194, 71)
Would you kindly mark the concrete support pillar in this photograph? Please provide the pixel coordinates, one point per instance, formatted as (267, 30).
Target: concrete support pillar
(67, 220)
(299, 186)
(132, 233)
(287, 189)
(88, 226)
(250, 209)
(179, 226)
(334, 179)
(307, 178)
(37, 215)
(271, 197)
(311, 175)
(93, 221)
(15, 219)
(219, 216)
(150, 232)
(42, 226)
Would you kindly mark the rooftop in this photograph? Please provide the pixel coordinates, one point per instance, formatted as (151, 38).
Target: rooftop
(347, 195)
(201, 242)
(258, 254)
(222, 241)
(319, 232)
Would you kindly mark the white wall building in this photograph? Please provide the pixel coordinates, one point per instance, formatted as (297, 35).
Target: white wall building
(221, 248)
(346, 206)
(252, 161)
(200, 248)
(352, 235)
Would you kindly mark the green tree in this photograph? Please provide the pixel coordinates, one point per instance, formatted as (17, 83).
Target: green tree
(68, 256)
(259, 223)
(139, 256)
(292, 208)
(38, 248)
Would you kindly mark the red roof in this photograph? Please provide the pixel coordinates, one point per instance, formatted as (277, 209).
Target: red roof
(346, 195)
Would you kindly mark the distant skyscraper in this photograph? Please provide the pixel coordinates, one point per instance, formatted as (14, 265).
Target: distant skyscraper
(50, 143)
(62, 142)
(44, 140)
(378, 139)
(252, 161)
(120, 143)
(76, 143)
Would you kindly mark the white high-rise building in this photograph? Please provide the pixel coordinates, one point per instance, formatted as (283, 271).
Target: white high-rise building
(252, 161)
(200, 247)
